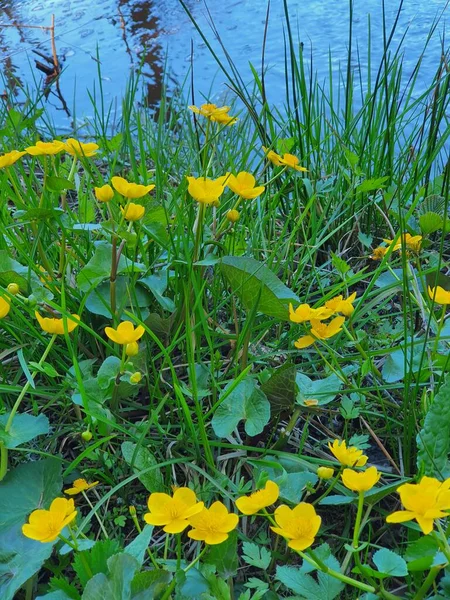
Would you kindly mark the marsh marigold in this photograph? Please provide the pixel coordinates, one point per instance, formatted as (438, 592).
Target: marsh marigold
(130, 190)
(5, 307)
(206, 191)
(212, 525)
(408, 241)
(6, 160)
(305, 313)
(46, 148)
(244, 185)
(360, 481)
(125, 333)
(348, 457)
(172, 513)
(341, 305)
(105, 193)
(216, 114)
(424, 502)
(320, 331)
(250, 505)
(133, 212)
(287, 160)
(58, 326)
(46, 525)
(80, 149)
(439, 295)
(79, 486)
(298, 525)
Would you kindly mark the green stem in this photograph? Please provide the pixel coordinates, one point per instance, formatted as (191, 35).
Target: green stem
(440, 326)
(358, 519)
(100, 522)
(422, 591)
(329, 489)
(15, 408)
(318, 564)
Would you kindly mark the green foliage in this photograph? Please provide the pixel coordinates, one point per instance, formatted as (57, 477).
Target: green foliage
(323, 390)
(246, 402)
(257, 286)
(224, 557)
(116, 583)
(390, 564)
(257, 556)
(24, 428)
(141, 459)
(433, 439)
(27, 487)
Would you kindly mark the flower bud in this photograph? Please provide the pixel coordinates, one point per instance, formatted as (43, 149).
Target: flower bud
(233, 215)
(132, 510)
(325, 472)
(104, 193)
(86, 435)
(13, 289)
(136, 377)
(132, 349)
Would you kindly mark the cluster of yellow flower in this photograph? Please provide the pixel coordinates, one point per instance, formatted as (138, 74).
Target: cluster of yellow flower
(315, 316)
(71, 146)
(130, 191)
(413, 243)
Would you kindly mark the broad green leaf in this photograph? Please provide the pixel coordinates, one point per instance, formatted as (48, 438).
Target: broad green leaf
(224, 556)
(370, 185)
(117, 583)
(285, 145)
(139, 545)
(420, 554)
(365, 239)
(281, 388)
(433, 440)
(24, 428)
(139, 458)
(337, 500)
(128, 295)
(150, 585)
(245, 403)
(430, 222)
(27, 487)
(94, 561)
(108, 371)
(57, 595)
(390, 563)
(323, 390)
(254, 283)
(157, 285)
(255, 555)
(325, 588)
(58, 184)
(99, 267)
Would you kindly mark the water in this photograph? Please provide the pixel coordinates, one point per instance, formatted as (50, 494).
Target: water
(126, 33)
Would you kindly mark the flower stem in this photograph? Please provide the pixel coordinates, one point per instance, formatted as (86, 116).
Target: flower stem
(15, 408)
(358, 519)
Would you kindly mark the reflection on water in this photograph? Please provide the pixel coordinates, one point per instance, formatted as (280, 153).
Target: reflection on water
(112, 37)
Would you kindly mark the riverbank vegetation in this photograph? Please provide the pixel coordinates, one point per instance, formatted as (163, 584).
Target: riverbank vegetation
(225, 342)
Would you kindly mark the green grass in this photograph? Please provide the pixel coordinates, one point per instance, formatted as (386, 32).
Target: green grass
(377, 158)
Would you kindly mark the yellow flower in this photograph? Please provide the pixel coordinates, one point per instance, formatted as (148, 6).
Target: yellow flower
(379, 253)
(233, 216)
(406, 239)
(325, 472)
(439, 295)
(206, 191)
(136, 377)
(13, 289)
(172, 512)
(51, 325)
(80, 485)
(45, 525)
(130, 190)
(6, 160)
(320, 331)
(133, 212)
(289, 160)
(424, 502)
(250, 505)
(305, 313)
(132, 349)
(360, 482)
(339, 305)
(217, 114)
(125, 333)
(212, 525)
(244, 185)
(4, 307)
(348, 457)
(299, 525)
(80, 149)
(310, 402)
(46, 148)
(105, 193)
(273, 157)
